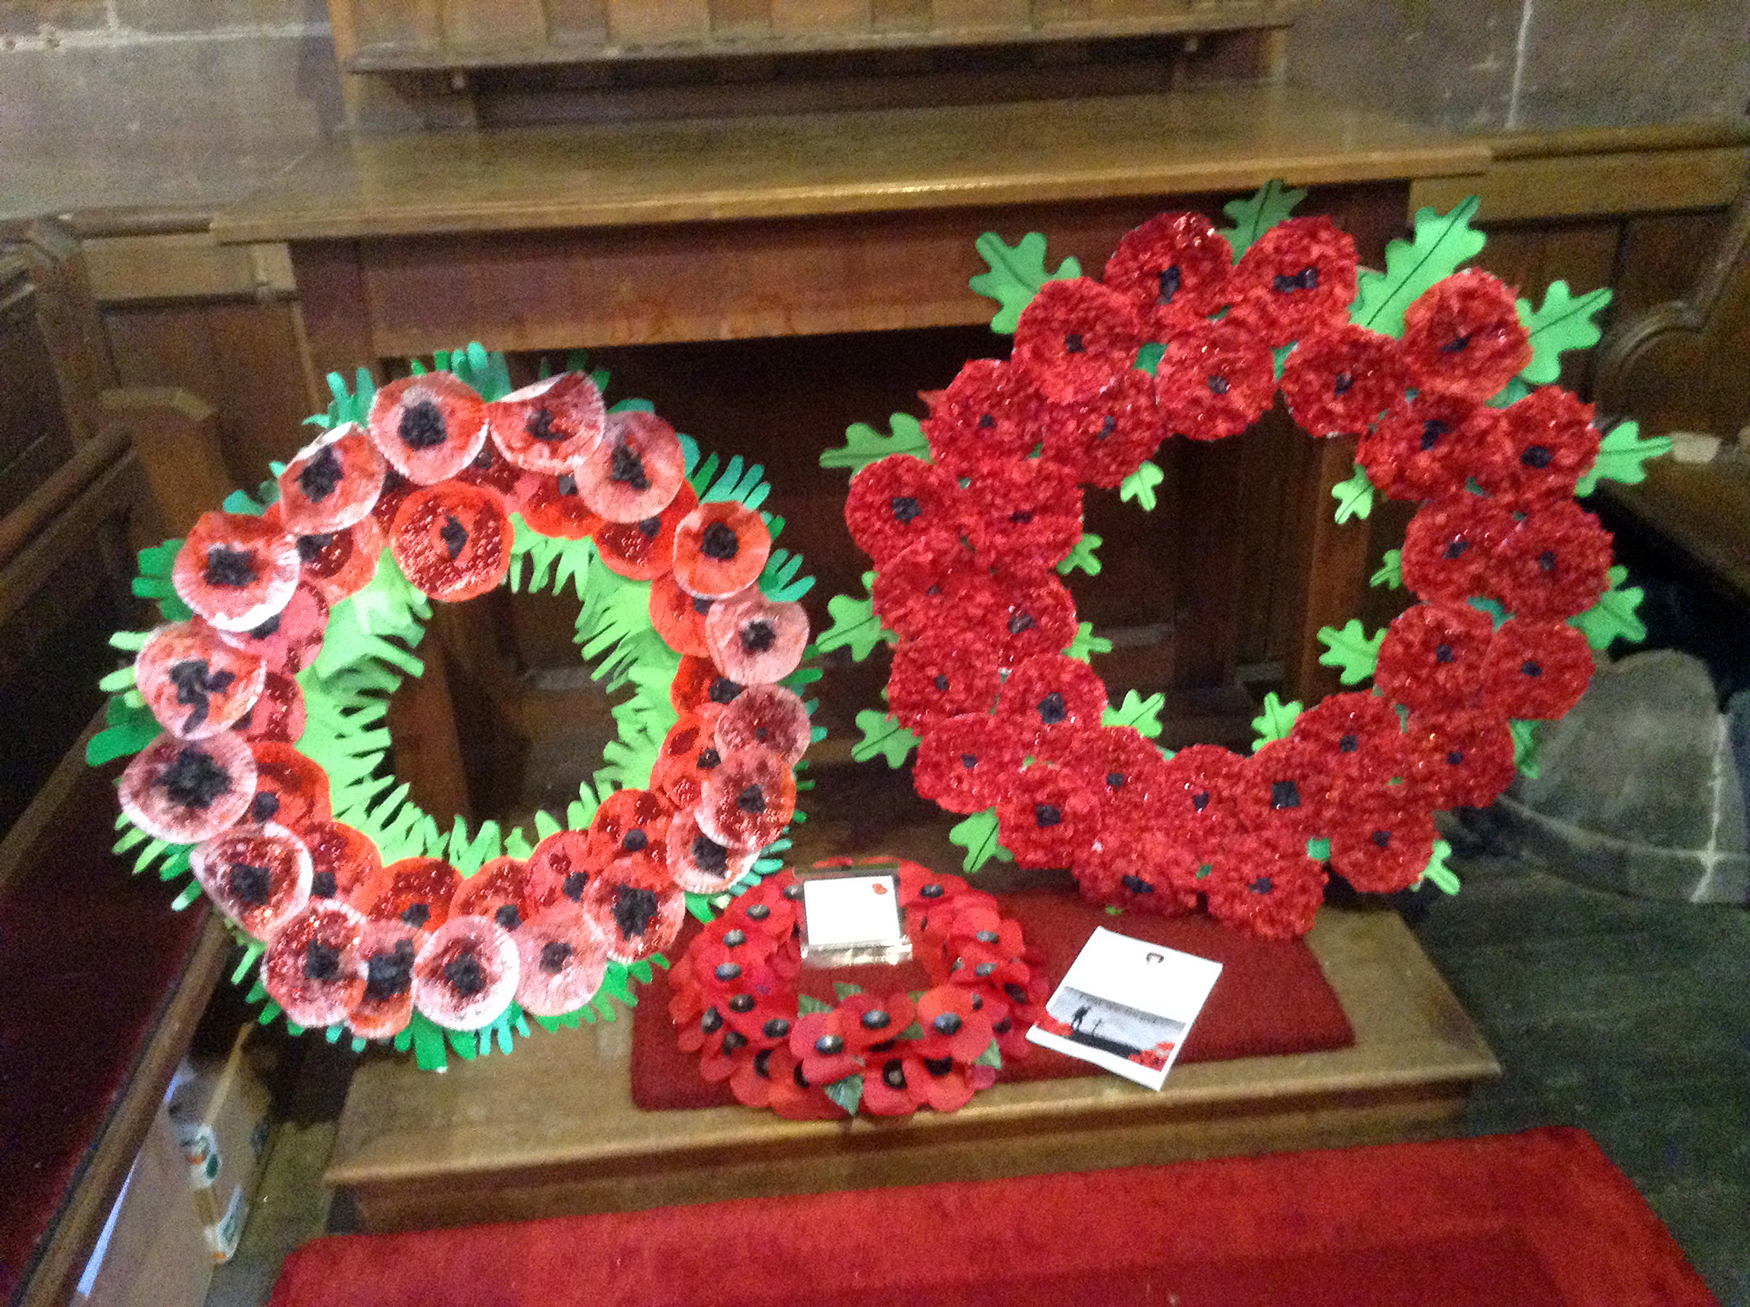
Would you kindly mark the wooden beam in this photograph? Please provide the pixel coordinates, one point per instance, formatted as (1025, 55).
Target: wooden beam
(175, 436)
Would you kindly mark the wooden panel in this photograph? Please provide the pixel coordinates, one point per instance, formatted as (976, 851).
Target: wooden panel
(1640, 181)
(184, 265)
(486, 23)
(578, 21)
(655, 22)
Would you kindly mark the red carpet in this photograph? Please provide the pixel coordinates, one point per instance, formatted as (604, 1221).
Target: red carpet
(1540, 1218)
(1271, 998)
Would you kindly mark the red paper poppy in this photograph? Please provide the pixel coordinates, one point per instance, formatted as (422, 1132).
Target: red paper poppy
(699, 685)
(700, 864)
(1104, 439)
(755, 640)
(678, 617)
(278, 714)
(1463, 759)
(196, 683)
(898, 500)
(314, 968)
(932, 586)
(940, 676)
(644, 550)
(499, 890)
(1198, 801)
(867, 1020)
(636, 907)
(1075, 339)
(1432, 657)
(1047, 817)
(1383, 845)
(550, 426)
(553, 506)
(769, 716)
(1031, 508)
(771, 906)
(939, 1083)
(1214, 381)
(465, 973)
(1426, 446)
(1053, 699)
(332, 483)
(818, 1043)
(1032, 613)
(1538, 448)
(258, 875)
(963, 762)
(1174, 269)
(919, 887)
(768, 1079)
(452, 540)
(235, 570)
(1452, 547)
(887, 1088)
(396, 488)
(289, 787)
(953, 1025)
(561, 866)
(344, 562)
(1264, 886)
(1536, 669)
(1555, 563)
(1463, 336)
(416, 891)
(630, 822)
(562, 960)
(720, 548)
(1358, 736)
(1339, 379)
(493, 471)
(1120, 763)
(386, 1006)
(289, 641)
(1298, 277)
(1134, 865)
(429, 426)
(689, 752)
(989, 411)
(748, 799)
(343, 861)
(634, 470)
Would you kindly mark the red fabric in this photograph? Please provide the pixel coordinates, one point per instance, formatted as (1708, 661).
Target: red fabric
(1538, 1218)
(1271, 998)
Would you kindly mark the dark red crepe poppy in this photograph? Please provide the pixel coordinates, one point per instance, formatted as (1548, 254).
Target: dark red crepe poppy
(1382, 844)
(452, 540)
(1426, 446)
(550, 426)
(698, 684)
(990, 410)
(1135, 865)
(553, 507)
(748, 799)
(289, 787)
(1358, 735)
(561, 867)
(289, 641)
(720, 548)
(1538, 448)
(343, 562)
(1198, 799)
(644, 550)
(1296, 278)
(1053, 699)
(1120, 762)
(1452, 547)
(934, 585)
(898, 500)
(1555, 563)
(428, 426)
(755, 640)
(342, 860)
(500, 890)
(769, 716)
(1264, 886)
(1463, 759)
(1076, 338)
(1104, 439)
(1340, 378)
(1174, 270)
(940, 676)
(195, 682)
(1536, 669)
(678, 617)
(1463, 336)
(1432, 657)
(1214, 381)
(1047, 816)
(332, 483)
(235, 570)
(1033, 613)
(631, 822)
(1032, 509)
(1282, 788)
(634, 470)
(416, 891)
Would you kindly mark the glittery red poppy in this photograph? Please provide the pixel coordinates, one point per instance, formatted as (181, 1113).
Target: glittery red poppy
(769, 716)
(342, 860)
(1536, 669)
(1104, 439)
(551, 425)
(1383, 844)
(561, 867)
(636, 907)
(1120, 762)
(196, 683)
(1282, 788)
(289, 641)
(1555, 563)
(678, 617)
(1264, 886)
(563, 960)
(1463, 336)
(289, 787)
(1032, 509)
(500, 890)
(698, 684)
(388, 949)
(1452, 547)
(1340, 378)
(1425, 446)
(630, 822)
(634, 470)
(258, 875)
(415, 891)
(1297, 277)
(1174, 269)
(1033, 613)
(332, 483)
(465, 973)
(1358, 735)
(344, 562)
(1432, 657)
(720, 548)
(990, 410)
(277, 714)
(1134, 865)
(1198, 799)
(934, 585)
(1464, 759)
(1214, 381)
(644, 550)
(1053, 699)
(1538, 448)
(490, 469)
(1047, 816)
(700, 864)
(689, 752)
(452, 540)
(755, 640)
(748, 799)
(1076, 338)
(235, 570)
(553, 507)
(940, 676)
(314, 968)
(428, 426)
(898, 500)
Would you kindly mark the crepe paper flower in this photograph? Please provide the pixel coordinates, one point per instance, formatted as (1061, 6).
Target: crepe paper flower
(342, 860)
(963, 762)
(1340, 378)
(635, 906)
(415, 891)
(720, 548)
(289, 641)
(551, 425)
(868, 1020)
(1053, 700)
(701, 865)
(1536, 670)
(313, 968)
(755, 640)
(1463, 336)
(939, 1083)
(1104, 439)
(748, 798)
(452, 540)
(1047, 816)
(1033, 613)
(886, 1088)
(1295, 279)
(465, 973)
(1426, 446)
(1031, 506)
(940, 676)
(1538, 448)
(332, 483)
(898, 500)
(1452, 547)
(1198, 801)
(553, 506)
(1075, 339)
(1358, 736)
(1463, 758)
(429, 426)
(1121, 760)
(634, 470)
(1555, 563)
(278, 714)
(289, 787)
(1282, 787)
(1381, 846)
(342, 563)
(769, 716)
(235, 570)
(1135, 865)
(560, 867)
(818, 1043)
(258, 875)
(989, 411)
(644, 550)
(1174, 270)
(1264, 886)
(195, 683)
(953, 1025)
(698, 686)
(388, 949)
(678, 617)
(499, 890)
(1214, 381)
(1432, 657)
(934, 585)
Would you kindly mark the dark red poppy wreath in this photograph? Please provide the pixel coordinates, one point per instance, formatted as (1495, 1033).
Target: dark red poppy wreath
(256, 712)
(973, 515)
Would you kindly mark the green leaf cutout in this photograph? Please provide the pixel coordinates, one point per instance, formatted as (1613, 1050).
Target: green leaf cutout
(1016, 273)
(1082, 556)
(1351, 650)
(806, 1003)
(1622, 456)
(127, 731)
(1143, 714)
(1613, 617)
(1354, 496)
(1318, 849)
(1442, 242)
(978, 836)
(1442, 877)
(847, 1093)
(1272, 203)
(854, 624)
(1140, 486)
(991, 1057)
(1276, 720)
(882, 737)
(864, 444)
(1391, 571)
(844, 989)
(1087, 644)
(1561, 323)
(1525, 746)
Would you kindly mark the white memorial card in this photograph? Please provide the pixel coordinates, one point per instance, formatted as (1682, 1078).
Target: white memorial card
(849, 919)
(1127, 1005)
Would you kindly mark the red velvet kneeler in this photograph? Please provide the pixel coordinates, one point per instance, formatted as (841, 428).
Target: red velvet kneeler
(1540, 1218)
(1271, 998)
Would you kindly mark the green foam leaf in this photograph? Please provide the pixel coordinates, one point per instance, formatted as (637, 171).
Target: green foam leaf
(1135, 711)
(806, 1003)
(1613, 617)
(1082, 556)
(864, 444)
(854, 624)
(1437, 873)
(1087, 644)
(1562, 322)
(1524, 746)
(1016, 273)
(1252, 217)
(1354, 496)
(1440, 244)
(847, 1093)
(992, 1056)
(1140, 486)
(979, 837)
(1622, 456)
(128, 730)
(1276, 721)
(1351, 650)
(1391, 571)
(882, 737)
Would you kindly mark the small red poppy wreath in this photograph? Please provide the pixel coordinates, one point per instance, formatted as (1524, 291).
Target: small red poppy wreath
(971, 527)
(737, 1003)
(281, 621)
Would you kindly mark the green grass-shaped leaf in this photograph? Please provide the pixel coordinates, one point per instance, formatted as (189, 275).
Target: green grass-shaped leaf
(1351, 650)
(1622, 456)
(864, 444)
(1441, 244)
(1275, 722)
(1525, 746)
(1562, 322)
(882, 738)
(1252, 217)
(1016, 273)
(978, 836)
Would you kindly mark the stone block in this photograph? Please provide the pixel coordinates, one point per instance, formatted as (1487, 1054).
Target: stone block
(31, 17)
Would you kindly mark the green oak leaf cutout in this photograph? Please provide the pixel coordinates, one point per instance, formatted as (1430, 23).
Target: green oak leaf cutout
(1613, 616)
(1351, 650)
(1524, 746)
(1391, 571)
(1276, 721)
(1354, 496)
(1135, 711)
(1442, 241)
(978, 836)
(1082, 556)
(864, 444)
(854, 624)
(1016, 273)
(1140, 486)
(1442, 877)
(1562, 322)
(1622, 456)
(1252, 217)
(882, 737)
(1087, 644)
